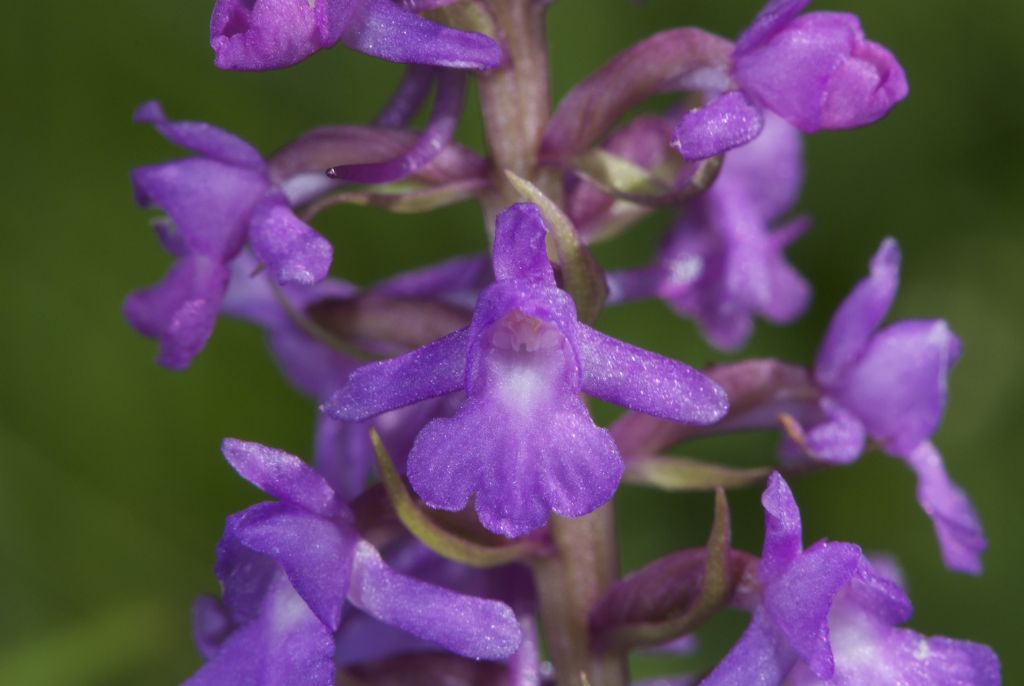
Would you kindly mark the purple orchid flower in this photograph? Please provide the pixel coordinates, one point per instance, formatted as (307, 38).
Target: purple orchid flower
(523, 441)
(826, 617)
(721, 264)
(255, 35)
(214, 202)
(816, 70)
(890, 384)
(287, 569)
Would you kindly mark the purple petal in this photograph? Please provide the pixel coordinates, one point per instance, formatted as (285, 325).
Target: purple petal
(868, 650)
(314, 552)
(469, 626)
(769, 168)
(209, 202)
(341, 456)
(309, 366)
(283, 476)
(294, 252)
(727, 122)
(878, 595)
(799, 600)
(760, 657)
(382, 29)
(285, 645)
(201, 138)
(898, 386)
(859, 315)
(819, 72)
(838, 439)
(451, 91)
(782, 530)
(545, 455)
(520, 250)
(181, 310)
(411, 93)
(772, 17)
(957, 526)
(267, 34)
(647, 382)
(429, 372)
(210, 625)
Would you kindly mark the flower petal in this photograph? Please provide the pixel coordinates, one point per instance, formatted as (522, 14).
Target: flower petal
(760, 657)
(898, 387)
(470, 626)
(201, 138)
(838, 439)
(382, 29)
(294, 252)
(859, 315)
(283, 476)
(727, 122)
(521, 467)
(210, 625)
(956, 523)
(314, 552)
(181, 310)
(285, 645)
(431, 371)
(209, 202)
(520, 250)
(770, 168)
(819, 72)
(772, 17)
(800, 599)
(647, 382)
(782, 530)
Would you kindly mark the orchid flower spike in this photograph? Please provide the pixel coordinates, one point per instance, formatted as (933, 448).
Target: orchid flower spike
(523, 442)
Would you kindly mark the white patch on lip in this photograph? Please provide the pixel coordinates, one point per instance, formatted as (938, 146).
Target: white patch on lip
(288, 609)
(520, 386)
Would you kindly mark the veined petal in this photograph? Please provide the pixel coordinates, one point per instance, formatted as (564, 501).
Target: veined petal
(469, 626)
(782, 530)
(956, 523)
(285, 645)
(520, 250)
(800, 599)
(727, 122)
(283, 476)
(294, 252)
(898, 386)
(522, 467)
(859, 315)
(647, 382)
(210, 202)
(431, 371)
(201, 138)
(761, 657)
(382, 29)
(314, 552)
(181, 310)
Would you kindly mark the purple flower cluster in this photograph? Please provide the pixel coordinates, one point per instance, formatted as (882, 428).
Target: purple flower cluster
(458, 511)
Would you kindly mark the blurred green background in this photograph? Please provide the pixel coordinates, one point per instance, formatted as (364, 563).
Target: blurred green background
(112, 492)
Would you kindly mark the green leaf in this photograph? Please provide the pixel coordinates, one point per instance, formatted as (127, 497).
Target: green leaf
(582, 277)
(670, 473)
(442, 541)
